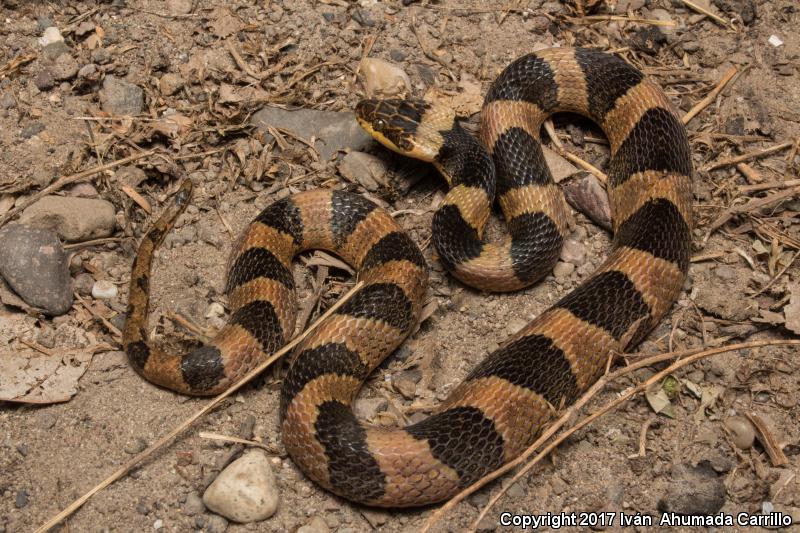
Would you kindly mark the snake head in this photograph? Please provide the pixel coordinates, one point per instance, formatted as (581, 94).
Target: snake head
(412, 128)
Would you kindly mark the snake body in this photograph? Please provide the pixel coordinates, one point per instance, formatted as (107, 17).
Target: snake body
(508, 398)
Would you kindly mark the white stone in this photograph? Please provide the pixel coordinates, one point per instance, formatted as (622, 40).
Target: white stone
(245, 491)
(573, 252)
(104, 290)
(215, 309)
(51, 35)
(775, 41)
(384, 79)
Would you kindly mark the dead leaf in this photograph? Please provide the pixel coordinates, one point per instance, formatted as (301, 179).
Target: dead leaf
(465, 102)
(172, 125)
(42, 379)
(792, 311)
(659, 401)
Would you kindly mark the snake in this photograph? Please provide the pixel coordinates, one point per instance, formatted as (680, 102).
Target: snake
(507, 399)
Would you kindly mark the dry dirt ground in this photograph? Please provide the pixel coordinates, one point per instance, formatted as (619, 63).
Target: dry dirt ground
(742, 285)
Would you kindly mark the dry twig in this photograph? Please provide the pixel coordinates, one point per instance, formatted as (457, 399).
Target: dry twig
(702, 104)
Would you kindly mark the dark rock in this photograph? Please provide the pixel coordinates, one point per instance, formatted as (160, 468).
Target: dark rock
(744, 8)
(55, 49)
(693, 490)
(31, 129)
(120, 97)
(648, 39)
(42, 23)
(44, 80)
(65, 67)
(35, 265)
(101, 56)
(334, 131)
(21, 499)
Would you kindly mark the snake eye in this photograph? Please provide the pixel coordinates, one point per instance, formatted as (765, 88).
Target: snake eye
(378, 124)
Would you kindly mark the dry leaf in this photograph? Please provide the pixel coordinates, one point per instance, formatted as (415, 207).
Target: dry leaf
(792, 311)
(466, 102)
(41, 379)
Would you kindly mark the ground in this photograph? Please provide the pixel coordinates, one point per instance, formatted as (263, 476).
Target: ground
(55, 122)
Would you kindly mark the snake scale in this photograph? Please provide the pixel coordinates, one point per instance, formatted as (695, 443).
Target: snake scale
(509, 397)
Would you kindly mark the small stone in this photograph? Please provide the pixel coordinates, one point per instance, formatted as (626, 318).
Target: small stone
(216, 524)
(405, 386)
(120, 97)
(84, 28)
(21, 499)
(142, 508)
(215, 309)
(83, 284)
(558, 485)
(693, 490)
(587, 195)
(742, 432)
(31, 129)
(573, 252)
(515, 491)
(367, 408)
(158, 524)
(375, 518)
(179, 7)
(83, 190)
(366, 169)
(87, 71)
(138, 445)
(101, 56)
(8, 101)
(53, 50)
(559, 167)
(383, 79)
(104, 290)
(315, 525)
(51, 35)
(563, 270)
(35, 265)
(65, 67)
(245, 491)
(44, 80)
(44, 22)
(515, 324)
(193, 504)
(170, 83)
(74, 219)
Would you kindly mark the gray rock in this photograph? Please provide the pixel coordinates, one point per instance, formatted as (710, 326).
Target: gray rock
(83, 284)
(693, 490)
(101, 56)
(7, 101)
(366, 169)
(333, 130)
(120, 97)
(65, 67)
(587, 195)
(216, 524)
(367, 408)
(55, 49)
(44, 80)
(34, 264)
(246, 491)
(193, 505)
(21, 500)
(563, 270)
(179, 7)
(87, 71)
(74, 219)
(137, 445)
(31, 129)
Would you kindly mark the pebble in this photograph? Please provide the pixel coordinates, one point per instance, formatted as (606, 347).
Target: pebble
(21, 500)
(742, 432)
(87, 71)
(35, 265)
(83, 284)
(333, 130)
(120, 97)
(405, 386)
(383, 79)
(515, 491)
(573, 252)
(245, 491)
(158, 524)
(587, 195)
(53, 50)
(74, 219)
(7, 101)
(137, 445)
(375, 518)
(563, 270)
(515, 324)
(216, 524)
(179, 7)
(44, 80)
(83, 190)
(65, 67)
(51, 35)
(215, 309)
(315, 525)
(101, 56)
(193, 504)
(366, 169)
(170, 83)
(31, 129)
(693, 490)
(104, 290)
(559, 167)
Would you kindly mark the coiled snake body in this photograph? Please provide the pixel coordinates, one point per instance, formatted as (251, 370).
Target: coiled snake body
(502, 404)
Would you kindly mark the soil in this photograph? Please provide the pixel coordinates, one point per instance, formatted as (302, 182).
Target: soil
(310, 52)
